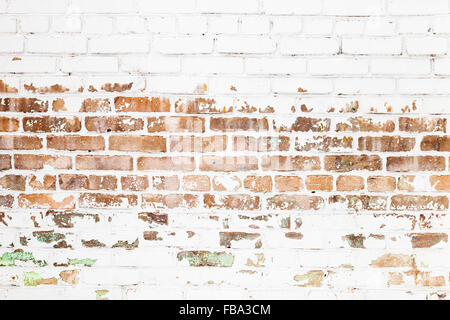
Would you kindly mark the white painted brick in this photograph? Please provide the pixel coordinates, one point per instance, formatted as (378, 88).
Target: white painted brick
(349, 26)
(286, 24)
(364, 46)
(414, 25)
(426, 45)
(400, 66)
(364, 86)
(275, 66)
(183, 45)
(150, 64)
(213, 65)
(130, 25)
(89, 64)
(255, 25)
(192, 24)
(98, 25)
(318, 26)
(417, 7)
(234, 44)
(14, 43)
(56, 44)
(301, 7)
(175, 84)
(128, 44)
(309, 46)
(424, 86)
(8, 24)
(67, 23)
(27, 64)
(442, 66)
(338, 66)
(296, 85)
(104, 6)
(168, 6)
(236, 85)
(162, 24)
(223, 24)
(380, 27)
(230, 6)
(34, 24)
(44, 6)
(353, 7)
(441, 24)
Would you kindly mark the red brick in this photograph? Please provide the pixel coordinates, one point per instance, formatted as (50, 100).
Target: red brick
(9, 124)
(228, 164)
(51, 124)
(416, 203)
(238, 124)
(288, 183)
(380, 184)
(349, 183)
(435, 143)
(37, 162)
(171, 183)
(46, 201)
(72, 143)
(95, 105)
(113, 124)
(101, 200)
(303, 124)
(353, 162)
(386, 144)
(25, 105)
(421, 163)
(12, 182)
(360, 124)
(137, 143)
(104, 163)
(319, 183)
(20, 143)
(5, 162)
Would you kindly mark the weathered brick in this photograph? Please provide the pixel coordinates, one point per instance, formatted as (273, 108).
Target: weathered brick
(238, 124)
(228, 164)
(72, 143)
(258, 184)
(294, 202)
(166, 163)
(419, 163)
(134, 183)
(353, 163)
(169, 201)
(9, 124)
(51, 124)
(113, 124)
(381, 184)
(319, 183)
(136, 104)
(176, 124)
(20, 143)
(386, 144)
(232, 202)
(196, 183)
(416, 203)
(290, 163)
(422, 124)
(288, 183)
(360, 124)
(38, 162)
(303, 124)
(198, 144)
(137, 143)
(349, 183)
(435, 143)
(104, 163)
(25, 105)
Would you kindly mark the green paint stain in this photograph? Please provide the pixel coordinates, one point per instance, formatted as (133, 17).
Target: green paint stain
(207, 259)
(9, 259)
(48, 236)
(100, 294)
(31, 278)
(86, 262)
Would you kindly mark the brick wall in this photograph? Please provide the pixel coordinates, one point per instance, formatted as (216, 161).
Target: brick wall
(224, 149)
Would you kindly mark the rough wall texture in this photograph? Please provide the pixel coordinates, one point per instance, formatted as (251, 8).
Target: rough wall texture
(224, 149)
